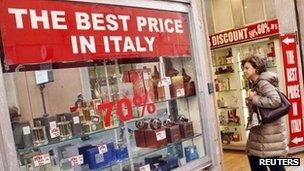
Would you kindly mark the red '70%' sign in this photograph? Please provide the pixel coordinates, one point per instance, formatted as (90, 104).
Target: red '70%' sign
(126, 104)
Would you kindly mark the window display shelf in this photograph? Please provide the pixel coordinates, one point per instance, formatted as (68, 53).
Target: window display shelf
(225, 125)
(64, 142)
(223, 74)
(141, 152)
(113, 164)
(228, 64)
(227, 90)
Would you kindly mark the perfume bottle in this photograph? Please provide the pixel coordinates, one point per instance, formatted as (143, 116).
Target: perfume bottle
(171, 71)
(236, 136)
(159, 89)
(189, 86)
(64, 126)
(39, 133)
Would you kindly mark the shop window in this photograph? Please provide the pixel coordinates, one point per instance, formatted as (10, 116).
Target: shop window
(108, 100)
(270, 9)
(237, 13)
(254, 11)
(223, 19)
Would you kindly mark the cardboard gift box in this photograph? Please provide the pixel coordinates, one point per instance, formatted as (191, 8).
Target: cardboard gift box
(140, 138)
(75, 123)
(186, 129)
(170, 162)
(97, 159)
(177, 87)
(22, 134)
(156, 138)
(173, 134)
(52, 130)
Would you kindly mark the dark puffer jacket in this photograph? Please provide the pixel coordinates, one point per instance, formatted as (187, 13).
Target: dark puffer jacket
(268, 140)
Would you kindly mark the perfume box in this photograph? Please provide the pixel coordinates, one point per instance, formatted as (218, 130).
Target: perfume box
(22, 135)
(140, 138)
(75, 123)
(156, 138)
(153, 159)
(52, 131)
(96, 158)
(177, 87)
(173, 134)
(170, 162)
(186, 129)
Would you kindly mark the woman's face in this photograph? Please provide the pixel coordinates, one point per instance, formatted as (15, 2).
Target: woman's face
(249, 71)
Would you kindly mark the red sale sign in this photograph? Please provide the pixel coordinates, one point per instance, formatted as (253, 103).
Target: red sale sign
(245, 34)
(293, 90)
(43, 31)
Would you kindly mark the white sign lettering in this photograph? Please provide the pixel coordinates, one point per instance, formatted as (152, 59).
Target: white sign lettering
(290, 57)
(293, 91)
(296, 126)
(292, 74)
(295, 108)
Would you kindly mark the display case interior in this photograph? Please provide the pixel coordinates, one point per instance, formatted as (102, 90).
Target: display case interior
(111, 116)
(231, 86)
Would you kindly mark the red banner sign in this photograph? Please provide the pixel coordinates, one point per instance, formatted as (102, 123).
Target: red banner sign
(43, 31)
(251, 32)
(293, 90)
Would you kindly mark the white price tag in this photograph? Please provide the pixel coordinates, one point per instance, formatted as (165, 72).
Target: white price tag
(53, 125)
(76, 120)
(95, 119)
(76, 160)
(92, 112)
(102, 148)
(145, 168)
(180, 92)
(161, 135)
(55, 132)
(42, 159)
(26, 130)
(166, 81)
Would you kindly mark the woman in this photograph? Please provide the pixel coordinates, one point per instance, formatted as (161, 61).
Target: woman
(267, 140)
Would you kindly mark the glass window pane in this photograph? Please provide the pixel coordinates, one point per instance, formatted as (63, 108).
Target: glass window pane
(270, 9)
(253, 11)
(222, 15)
(237, 13)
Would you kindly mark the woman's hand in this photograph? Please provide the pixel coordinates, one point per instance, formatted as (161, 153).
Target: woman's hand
(250, 95)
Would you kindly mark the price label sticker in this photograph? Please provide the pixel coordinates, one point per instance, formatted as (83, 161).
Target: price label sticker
(161, 135)
(41, 159)
(95, 119)
(76, 160)
(53, 125)
(92, 112)
(102, 148)
(55, 132)
(26, 130)
(145, 168)
(76, 120)
(180, 92)
(99, 158)
(166, 81)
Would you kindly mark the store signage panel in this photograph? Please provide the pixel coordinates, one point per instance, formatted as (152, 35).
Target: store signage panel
(251, 32)
(293, 90)
(42, 31)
